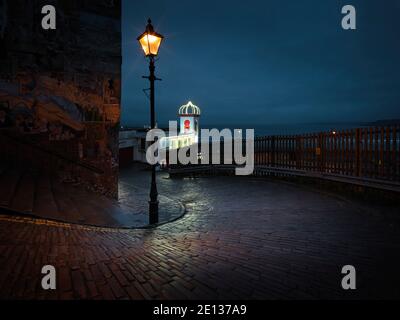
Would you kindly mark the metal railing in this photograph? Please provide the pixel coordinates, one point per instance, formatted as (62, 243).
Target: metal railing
(363, 152)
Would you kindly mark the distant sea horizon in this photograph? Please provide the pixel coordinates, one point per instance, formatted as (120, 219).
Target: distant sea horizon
(292, 129)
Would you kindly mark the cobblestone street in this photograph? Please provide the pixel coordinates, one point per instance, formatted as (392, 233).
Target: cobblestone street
(240, 238)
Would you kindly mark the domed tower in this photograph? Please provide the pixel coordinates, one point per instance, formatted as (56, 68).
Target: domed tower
(189, 115)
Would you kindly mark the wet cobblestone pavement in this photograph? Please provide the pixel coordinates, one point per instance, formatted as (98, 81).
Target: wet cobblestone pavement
(241, 238)
(134, 196)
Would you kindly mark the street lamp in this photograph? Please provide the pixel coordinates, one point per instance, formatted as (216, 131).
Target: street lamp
(150, 42)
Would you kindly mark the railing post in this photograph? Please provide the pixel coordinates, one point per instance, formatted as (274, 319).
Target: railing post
(257, 151)
(320, 151)
(357, 166)
(298, 152)
(273, 151)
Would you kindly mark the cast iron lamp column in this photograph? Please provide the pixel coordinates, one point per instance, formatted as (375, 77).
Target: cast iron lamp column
(150, 42)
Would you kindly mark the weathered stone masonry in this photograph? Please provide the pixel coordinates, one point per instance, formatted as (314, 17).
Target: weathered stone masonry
(60, 89)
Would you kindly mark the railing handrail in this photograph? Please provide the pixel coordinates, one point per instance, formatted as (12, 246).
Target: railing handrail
(377, 127)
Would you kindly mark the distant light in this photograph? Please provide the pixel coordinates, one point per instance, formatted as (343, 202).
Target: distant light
(189, 108)
(333, 132)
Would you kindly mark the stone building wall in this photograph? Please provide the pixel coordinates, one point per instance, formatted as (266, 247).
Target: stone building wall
(63, 86)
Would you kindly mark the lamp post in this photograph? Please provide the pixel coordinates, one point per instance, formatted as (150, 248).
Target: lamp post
(150, 42)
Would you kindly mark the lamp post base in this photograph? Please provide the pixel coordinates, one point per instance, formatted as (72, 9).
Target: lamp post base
(153, 212)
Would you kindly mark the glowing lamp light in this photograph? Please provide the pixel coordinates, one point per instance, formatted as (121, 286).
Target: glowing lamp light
(150, 41)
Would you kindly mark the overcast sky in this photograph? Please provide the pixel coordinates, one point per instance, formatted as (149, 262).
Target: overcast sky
(266, 61)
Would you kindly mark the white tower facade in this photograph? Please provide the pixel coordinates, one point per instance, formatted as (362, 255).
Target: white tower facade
(189, 116)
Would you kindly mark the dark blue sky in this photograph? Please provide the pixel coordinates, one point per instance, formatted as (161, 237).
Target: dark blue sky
(265, 62)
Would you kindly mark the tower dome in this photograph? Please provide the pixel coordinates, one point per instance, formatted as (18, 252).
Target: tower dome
(189, 109)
